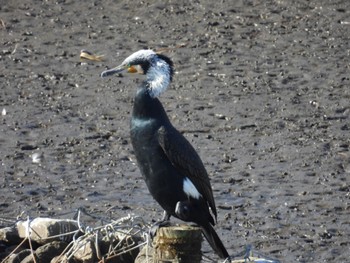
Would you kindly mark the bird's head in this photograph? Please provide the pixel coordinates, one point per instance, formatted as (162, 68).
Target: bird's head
(157, 68)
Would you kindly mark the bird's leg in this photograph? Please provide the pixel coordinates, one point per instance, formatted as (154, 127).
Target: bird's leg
(165, 221)
(166, 216)
(248, 252)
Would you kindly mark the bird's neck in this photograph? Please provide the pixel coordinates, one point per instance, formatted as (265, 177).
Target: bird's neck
(158, 77)
(147, 107)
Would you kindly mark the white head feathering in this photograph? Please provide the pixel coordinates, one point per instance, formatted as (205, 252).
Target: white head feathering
(143, 54)
(158, 77)
(158, 74)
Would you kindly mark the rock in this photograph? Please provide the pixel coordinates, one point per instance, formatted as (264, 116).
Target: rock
(63, 259)
(29, 259)
(12, 250)
(45, 230)
(17, 258)
(145, 255)
(46, 253)
(10, 259)
(86, 252)
(10, 235)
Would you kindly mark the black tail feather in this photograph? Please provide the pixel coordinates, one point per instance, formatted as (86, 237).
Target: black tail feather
(214, 241)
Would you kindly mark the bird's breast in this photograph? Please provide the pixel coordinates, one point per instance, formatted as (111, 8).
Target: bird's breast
(143, 138)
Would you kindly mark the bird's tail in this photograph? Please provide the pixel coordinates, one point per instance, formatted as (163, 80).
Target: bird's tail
(214, 241)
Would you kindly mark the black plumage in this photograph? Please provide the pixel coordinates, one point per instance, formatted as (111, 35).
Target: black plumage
(171, 168)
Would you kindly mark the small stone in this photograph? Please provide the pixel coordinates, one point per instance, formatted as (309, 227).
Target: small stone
(86, 252)
(19, 257)
(9, 235)
(37, 157)
(42, 229)
(48, 251)
(62, 259)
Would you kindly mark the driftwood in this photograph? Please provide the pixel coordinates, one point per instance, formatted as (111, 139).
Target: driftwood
(178, 244)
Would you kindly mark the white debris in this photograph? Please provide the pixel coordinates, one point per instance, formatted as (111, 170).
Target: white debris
(36, 157)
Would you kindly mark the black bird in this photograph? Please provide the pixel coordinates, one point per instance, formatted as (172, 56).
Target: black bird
(172, 169)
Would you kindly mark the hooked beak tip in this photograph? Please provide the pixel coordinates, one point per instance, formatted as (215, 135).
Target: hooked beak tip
(103, 74)
(112, 71)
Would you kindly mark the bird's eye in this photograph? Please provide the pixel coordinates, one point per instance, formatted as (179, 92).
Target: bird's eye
(133, 69)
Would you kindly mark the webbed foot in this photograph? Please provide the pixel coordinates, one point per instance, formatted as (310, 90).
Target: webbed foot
(165, 221)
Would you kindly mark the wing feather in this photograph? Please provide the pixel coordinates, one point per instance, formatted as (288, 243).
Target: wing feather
(184, 158)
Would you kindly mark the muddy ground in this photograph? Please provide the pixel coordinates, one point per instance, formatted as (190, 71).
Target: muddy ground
(261, 90)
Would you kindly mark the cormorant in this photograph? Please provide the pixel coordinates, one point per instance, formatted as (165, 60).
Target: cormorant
(172, 169)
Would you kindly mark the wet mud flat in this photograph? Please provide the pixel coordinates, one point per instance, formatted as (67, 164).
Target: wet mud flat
(261, 90)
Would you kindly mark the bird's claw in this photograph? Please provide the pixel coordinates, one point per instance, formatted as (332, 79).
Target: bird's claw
(154, 228)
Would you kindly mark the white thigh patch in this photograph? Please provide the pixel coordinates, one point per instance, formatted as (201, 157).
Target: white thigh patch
(190, 189)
